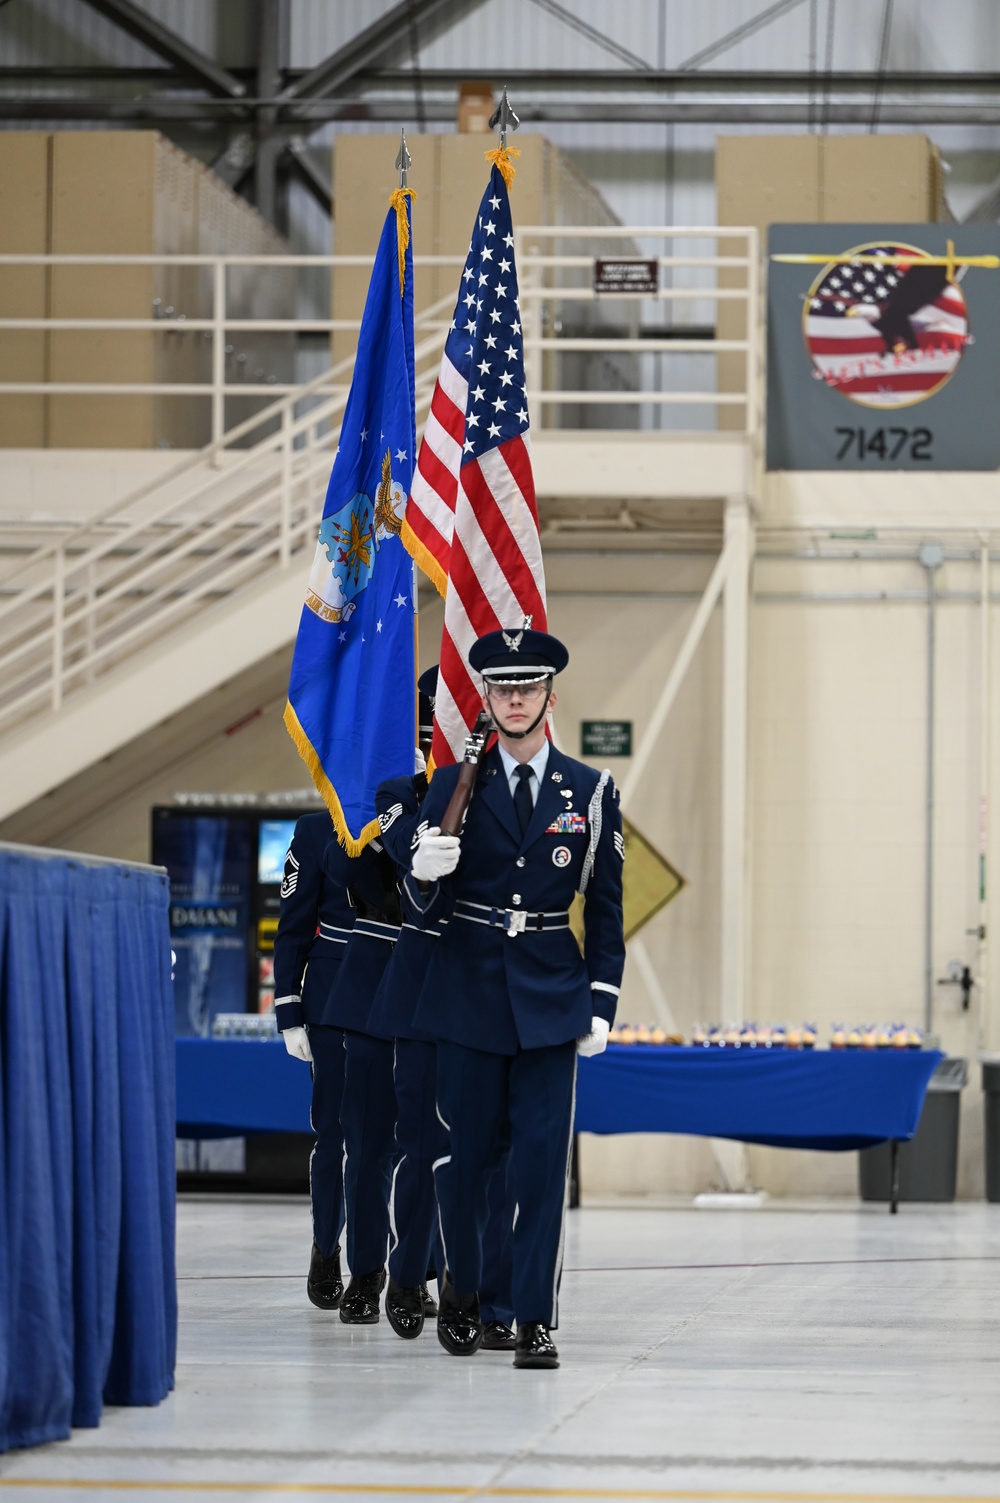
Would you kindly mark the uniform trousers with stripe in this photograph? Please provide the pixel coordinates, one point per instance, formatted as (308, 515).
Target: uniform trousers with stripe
(420, 1139)
(478, 1095)
(368, 1118)
(326, 1163)
(495, 1298)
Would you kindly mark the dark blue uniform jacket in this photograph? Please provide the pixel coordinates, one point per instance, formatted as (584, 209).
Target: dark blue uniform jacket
(497, 989)
(313, 928)
(372, 886)
(397, 804)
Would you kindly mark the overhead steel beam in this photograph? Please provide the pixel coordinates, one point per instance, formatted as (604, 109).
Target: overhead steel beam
(166, 43)
(400, 109)
(613, 80)
(342, 66)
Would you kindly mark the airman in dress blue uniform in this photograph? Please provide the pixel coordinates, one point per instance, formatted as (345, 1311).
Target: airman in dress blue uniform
(508, 993)
(368, 1106)
(420, 1135)
(313, 929)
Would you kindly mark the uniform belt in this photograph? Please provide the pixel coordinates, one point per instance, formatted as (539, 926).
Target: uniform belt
(332, 932)
(434, 933)
(512, 920)
(376, 930)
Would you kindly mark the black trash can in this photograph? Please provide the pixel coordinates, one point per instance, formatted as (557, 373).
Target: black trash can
(928, 1164)
(991, 1126)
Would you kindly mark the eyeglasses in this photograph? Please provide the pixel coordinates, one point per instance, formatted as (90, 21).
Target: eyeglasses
(504, 692)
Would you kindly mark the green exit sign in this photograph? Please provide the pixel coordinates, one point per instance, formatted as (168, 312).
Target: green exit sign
(606, 738)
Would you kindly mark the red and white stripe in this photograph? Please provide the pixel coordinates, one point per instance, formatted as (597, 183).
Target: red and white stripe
(480, 524)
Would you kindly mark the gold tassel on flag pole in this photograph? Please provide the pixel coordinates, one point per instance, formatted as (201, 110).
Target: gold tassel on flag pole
(504, 117)
(397, 201)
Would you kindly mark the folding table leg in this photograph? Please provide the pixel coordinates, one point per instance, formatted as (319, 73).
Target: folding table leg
(894, 1172)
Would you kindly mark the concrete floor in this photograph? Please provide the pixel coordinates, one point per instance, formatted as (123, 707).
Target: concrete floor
(798, 1352)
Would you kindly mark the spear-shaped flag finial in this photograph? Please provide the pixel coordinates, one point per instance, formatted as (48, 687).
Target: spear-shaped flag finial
(403, 161)
(504, 117)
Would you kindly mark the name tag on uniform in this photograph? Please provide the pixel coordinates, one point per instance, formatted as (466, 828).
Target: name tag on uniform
(568, 824)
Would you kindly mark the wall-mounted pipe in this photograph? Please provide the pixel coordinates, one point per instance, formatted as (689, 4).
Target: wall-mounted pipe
(931, 556)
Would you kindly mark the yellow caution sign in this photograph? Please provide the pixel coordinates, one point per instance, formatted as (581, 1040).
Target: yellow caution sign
(649, 883)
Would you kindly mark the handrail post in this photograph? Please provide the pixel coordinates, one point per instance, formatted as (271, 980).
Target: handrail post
(218, 351)
(284, 534)
(58, 624)
(753, 331)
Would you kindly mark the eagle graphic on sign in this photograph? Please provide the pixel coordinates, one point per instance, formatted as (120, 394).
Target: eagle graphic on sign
(885, 324)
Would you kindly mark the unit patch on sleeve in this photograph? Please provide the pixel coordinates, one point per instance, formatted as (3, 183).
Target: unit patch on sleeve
(568, 823)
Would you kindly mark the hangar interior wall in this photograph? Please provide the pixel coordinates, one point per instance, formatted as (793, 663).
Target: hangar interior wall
(838, 698)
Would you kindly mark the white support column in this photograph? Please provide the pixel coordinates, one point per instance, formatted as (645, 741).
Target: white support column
(738, 542)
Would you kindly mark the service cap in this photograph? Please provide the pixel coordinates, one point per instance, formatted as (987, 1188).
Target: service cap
(517, 655)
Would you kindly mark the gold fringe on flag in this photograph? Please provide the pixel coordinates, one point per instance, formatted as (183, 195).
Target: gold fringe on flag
(326, 790)
(425, 558)
(501, 160)
(397, 201)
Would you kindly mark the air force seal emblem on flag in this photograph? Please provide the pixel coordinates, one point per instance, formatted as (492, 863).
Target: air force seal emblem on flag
(348, 545)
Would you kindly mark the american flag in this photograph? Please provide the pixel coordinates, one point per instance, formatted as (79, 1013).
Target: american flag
(471, 519)
(885, 335)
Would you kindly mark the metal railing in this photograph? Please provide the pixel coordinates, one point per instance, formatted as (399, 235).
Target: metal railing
(224, 517)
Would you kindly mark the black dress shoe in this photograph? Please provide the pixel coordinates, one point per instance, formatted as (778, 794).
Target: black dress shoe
(429, 1303)
(404, 1310)
(497, 1337)
(534, 1346)
(460, 1331)
(360, 1305)
(324, 1284)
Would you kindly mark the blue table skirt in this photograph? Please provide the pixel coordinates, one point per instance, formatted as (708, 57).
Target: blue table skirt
(785, 1098)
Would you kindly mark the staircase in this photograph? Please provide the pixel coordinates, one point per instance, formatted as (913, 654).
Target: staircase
(162, 597)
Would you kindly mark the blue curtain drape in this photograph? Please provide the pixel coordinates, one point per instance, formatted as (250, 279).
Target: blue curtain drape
(88, 1311)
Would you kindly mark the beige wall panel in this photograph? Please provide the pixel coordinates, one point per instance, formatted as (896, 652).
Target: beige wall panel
(885, 178)
(178, 355)
(102, 202)
(766, 180)
(363, 178)
(760, 180)
(24, 212)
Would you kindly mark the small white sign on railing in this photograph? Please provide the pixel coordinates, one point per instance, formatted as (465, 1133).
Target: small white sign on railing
(632, 274)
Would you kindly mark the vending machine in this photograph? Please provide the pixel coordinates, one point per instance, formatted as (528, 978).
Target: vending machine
(225, 862)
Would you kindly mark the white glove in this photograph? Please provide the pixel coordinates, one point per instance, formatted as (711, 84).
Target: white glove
(419, 761)
(596, 1041)
(436, 855)
(297, 1044)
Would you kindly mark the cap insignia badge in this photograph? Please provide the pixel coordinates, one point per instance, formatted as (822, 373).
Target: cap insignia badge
(512, 640)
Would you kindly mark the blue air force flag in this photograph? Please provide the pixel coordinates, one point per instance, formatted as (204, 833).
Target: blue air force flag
(351, 700)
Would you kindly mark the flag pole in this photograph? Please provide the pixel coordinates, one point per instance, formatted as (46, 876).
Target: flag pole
(403, 164)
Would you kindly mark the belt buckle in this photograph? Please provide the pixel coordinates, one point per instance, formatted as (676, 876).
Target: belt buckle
(514, 921)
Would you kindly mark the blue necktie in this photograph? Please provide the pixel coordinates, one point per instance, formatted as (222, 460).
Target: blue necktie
(523, 804)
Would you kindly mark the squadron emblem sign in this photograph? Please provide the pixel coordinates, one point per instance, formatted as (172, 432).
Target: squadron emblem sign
(883, 352)
(884, 325)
